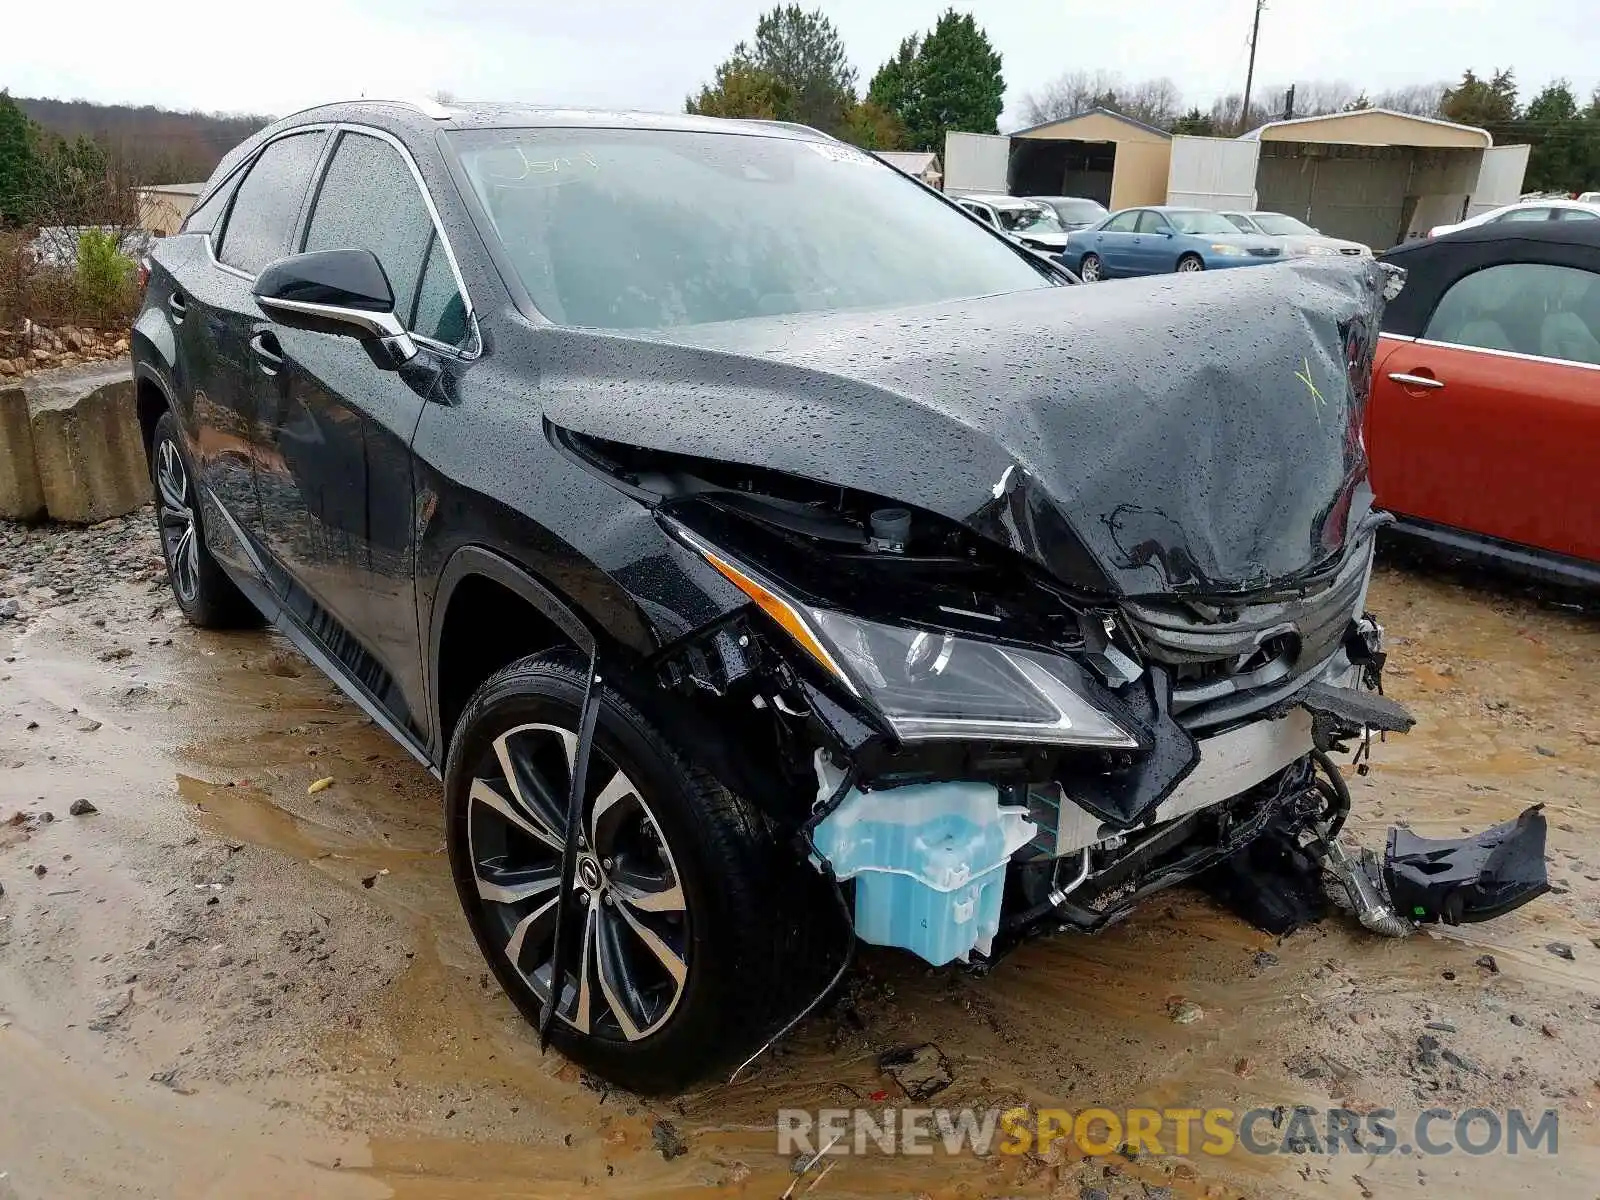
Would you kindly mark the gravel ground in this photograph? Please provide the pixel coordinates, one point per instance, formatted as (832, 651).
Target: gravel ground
(230, 985)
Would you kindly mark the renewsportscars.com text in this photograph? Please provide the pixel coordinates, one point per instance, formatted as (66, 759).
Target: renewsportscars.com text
(1212, 1131)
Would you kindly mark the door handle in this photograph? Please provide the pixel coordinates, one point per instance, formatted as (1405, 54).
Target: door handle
(1425, 382)
(269, 355)
(176, 306)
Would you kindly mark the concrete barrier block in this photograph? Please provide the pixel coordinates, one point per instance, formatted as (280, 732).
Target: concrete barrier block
(86, 442)
(20, 496)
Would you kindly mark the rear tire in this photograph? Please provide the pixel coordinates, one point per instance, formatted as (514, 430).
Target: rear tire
(685, 910)
(202, 589)
(1190, 263)
(1091, 269)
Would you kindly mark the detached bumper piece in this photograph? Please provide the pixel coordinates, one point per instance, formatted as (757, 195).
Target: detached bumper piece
(1458, 881)
(1450, 881)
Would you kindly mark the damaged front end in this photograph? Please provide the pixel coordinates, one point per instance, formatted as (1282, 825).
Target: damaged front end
(990, 716)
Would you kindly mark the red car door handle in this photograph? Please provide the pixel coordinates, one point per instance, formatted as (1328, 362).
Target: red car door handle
(1425, 382)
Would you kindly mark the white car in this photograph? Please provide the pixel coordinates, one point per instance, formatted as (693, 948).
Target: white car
(1033, 224)
(1298, 238)
(1589, 197)
(1528, 210)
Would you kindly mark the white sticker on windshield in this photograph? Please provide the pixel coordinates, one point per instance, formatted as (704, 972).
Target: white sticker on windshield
(838, 153)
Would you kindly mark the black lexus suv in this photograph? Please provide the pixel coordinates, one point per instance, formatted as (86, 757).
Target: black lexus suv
(763, 553)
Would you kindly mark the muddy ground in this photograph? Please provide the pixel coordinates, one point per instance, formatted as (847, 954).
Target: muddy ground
(221, 985)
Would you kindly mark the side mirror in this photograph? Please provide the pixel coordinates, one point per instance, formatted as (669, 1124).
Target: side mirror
(335, 291)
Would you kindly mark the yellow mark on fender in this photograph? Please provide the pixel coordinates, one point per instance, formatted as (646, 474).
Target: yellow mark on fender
(1304, 376)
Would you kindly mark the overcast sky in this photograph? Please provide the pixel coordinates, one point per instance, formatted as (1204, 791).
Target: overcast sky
(288, 54)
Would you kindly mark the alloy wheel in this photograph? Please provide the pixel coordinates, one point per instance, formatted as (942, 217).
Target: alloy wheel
(628, 919)
(178, 534)
(1190, 265)
(1089, 272)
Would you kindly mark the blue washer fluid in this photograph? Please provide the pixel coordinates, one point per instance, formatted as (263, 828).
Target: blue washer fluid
(929, 864)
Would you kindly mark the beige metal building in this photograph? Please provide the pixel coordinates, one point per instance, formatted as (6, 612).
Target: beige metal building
(1098, 154)
(1375, 176)
(163, 207)
(1381, 177)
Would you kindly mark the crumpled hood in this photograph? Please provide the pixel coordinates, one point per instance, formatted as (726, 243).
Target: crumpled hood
(1197, 434)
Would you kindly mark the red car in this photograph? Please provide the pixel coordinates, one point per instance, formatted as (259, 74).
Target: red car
(1484, 424)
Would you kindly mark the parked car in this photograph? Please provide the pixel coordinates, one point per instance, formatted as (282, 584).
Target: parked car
(1297, 237)
(1074, 212)
(1526, 212)
(761, 552)
(1152, 241)
(1032, 224)
(1484, 426)
(1589, 198)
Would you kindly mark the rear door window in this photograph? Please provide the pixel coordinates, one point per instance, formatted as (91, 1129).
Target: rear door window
(1525, 308)
(267, 203)
(370, 200)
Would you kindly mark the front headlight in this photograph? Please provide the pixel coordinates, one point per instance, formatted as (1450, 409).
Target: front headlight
(928, 684)
(1227, 249)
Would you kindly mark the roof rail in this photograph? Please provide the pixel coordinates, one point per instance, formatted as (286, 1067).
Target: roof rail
(428, 108)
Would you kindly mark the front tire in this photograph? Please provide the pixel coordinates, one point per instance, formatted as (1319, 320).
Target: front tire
(683, 907)
(1091, 269)
(205, 594)
(1189, 264)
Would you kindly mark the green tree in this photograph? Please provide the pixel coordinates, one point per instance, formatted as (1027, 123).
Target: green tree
(742, 90)
(19, 138)
(957, 83)
(894, 88)
(1196, 124)
(804, 52)
(1482, 102)
(795, 70)
(872, 127)
(1560, 140)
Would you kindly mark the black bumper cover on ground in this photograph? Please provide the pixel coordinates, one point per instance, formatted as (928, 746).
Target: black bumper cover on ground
(1467, 879)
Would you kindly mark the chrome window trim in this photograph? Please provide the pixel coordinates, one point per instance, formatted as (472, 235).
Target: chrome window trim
(1516, 354)
(474, 348)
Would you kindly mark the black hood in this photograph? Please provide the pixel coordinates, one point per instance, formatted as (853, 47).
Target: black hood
(1197, 434)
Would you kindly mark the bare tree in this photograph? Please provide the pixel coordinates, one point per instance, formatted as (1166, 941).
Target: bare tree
(1418, 99)
(1153, 101)
(1226, 117)
(1067, 95)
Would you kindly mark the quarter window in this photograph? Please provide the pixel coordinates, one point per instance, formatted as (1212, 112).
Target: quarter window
(203, 218)
(369, 200)
(267, 203)
(439, 312)
(1122, 222)
(1526, 308)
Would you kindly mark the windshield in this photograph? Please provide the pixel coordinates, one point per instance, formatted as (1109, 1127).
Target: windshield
(1281, 225)
(1029, 220)
(1078, 212)
(648, 229)
(1193, 221)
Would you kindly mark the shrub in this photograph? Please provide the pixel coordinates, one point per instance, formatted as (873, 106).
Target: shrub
(104, 273)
